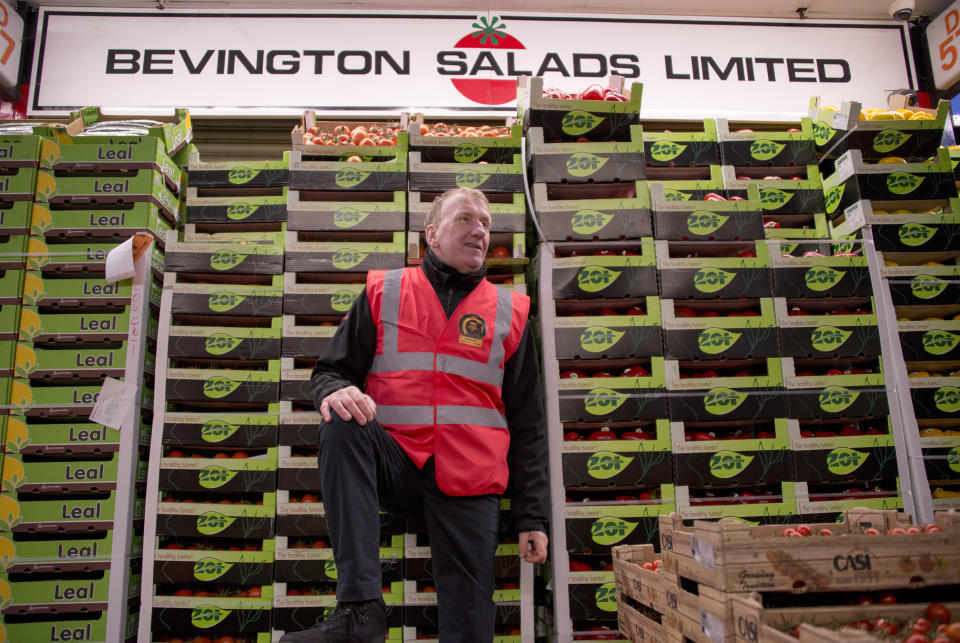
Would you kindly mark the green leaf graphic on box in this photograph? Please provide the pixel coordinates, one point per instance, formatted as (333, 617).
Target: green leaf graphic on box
(596, 278)
(765, 150)
(953, 459)
(221, 302)
(889, 139)
(703, 222)
(927, 286)
(843, 460)
(832, 198)
(835, 399)
(348, 217)
(589, 221)
(597, 339)
(774, 198)
(214, 477)
(217, 430)
(208, 569)
(350, 177)
(211, 522)
(226, 259)
(342, 300)
(947, 399)
(217, 387)
(915, 234)
(729, 464)
(827, 338)
(676, 195)
(720, 401)
(241, 175)
(579, 122)
(606, 597)
(822, 133)
(939, 342)
(330, 568)
(221, 343)
(603, 401)
(345, 258)
(666, 150)
(821, 278)
(903, 182)
(206, 616)
(610, 530)
(712, 279)
(470, 179)
(468, 152)
(240, 211)
(582, 164)
(714, 341)
(604, 465)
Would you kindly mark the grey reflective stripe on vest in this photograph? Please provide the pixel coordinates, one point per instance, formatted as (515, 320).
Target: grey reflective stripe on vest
(392, 360)
(476, 416)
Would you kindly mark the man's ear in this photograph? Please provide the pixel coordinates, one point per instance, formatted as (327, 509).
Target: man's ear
(431, 234)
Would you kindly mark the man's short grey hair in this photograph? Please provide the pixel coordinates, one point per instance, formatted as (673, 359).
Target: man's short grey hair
(436, 209)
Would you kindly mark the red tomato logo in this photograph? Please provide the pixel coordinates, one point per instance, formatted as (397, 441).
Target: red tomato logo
(488, 91)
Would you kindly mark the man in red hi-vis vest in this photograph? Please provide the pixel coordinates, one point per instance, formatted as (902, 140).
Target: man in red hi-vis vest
(432, 408)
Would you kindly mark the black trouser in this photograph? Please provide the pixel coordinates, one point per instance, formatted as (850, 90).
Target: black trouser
(363, 470)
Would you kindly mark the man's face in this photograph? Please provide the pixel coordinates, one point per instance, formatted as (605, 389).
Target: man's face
(462, 236)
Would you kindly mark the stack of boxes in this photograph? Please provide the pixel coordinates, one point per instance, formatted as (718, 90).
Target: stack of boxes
(62, 473)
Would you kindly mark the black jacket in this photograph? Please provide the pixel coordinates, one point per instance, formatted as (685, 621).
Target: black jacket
(349, 355)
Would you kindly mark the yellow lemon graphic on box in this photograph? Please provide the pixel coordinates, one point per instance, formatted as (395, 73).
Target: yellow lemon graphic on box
(17, 434)
(40, 219)
(9, 515)
(6, 593)
(37, 252)
(30, 324)
(13, 474)
(8, 551)
(25, 361)
(49, 153)
(20, 394)
(46, 185)
(33, 289)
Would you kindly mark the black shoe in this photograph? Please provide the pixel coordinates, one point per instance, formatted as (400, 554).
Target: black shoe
(360, 622)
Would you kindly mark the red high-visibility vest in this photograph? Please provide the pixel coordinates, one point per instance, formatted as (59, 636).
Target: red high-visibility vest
(437, 381)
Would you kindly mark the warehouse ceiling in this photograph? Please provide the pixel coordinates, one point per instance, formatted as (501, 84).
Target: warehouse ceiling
(810, 9)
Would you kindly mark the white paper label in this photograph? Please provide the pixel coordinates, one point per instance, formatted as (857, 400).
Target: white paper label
(702, 552)
(115, 405)
(120, 262)
(711, 626)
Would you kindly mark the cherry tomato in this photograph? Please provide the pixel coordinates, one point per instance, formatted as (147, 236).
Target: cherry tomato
(921, 626)
(938, 612)
(887, 598)
(500, 252)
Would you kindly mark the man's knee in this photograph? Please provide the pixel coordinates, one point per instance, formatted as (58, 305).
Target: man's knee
(339, 433)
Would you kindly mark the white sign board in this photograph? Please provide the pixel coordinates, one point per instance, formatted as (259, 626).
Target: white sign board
(11, 37)
(282, 63)
(943, 40)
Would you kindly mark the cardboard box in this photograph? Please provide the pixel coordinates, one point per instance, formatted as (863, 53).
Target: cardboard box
(295, 382)
(223, 258)
(764, 144)
(213, 615)
(487, 177)
(236, 205)
(224, 385)
(508, 211)
(15, 217)
(217, 566)
(707, 220)
(621, 463)
(120, 155)
(790, 190)
(608, 276)
(298, 426)
(685, 183)
(299, 473)
(21, 474)
(302, 296)
(941, 458)
(255, 473)
(842, 458)
(22, 150)
(75, 363)
(613, 399)
(250, 174)
(855, 180)
(12, 253)
(120, 189)
(306, 252)
(730, 462)
(683, 144)
(824, 276)
(66, 439)
(208, 520)
(68, 401)
(877, 138)
(70, 328)
(726, 403)
(833, 402)
(610, 336)
(716, 273)
(226, 342)
(819, 334)
(734, 337)
(570, 119)
(18, 184)
(339, 210)
(225, 297)
(797, 226)
(301, 340)
(593, 211)
(595, 529)
(929, 340)
(904, 226)
(226, 429)
(935, 397)
(80, 257)
(792, 380)
(322, 167)
(64, 515)
(832, 501)
(117, 225)
(912, 284)
(464, 149)
(213, 233)
(580, 162)
(176, 131)
(299, 562)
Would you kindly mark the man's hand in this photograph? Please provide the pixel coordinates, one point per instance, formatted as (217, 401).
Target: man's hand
(533, 546)
(349, 403)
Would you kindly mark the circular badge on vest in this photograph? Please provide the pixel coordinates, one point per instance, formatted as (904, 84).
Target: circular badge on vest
(472, 330)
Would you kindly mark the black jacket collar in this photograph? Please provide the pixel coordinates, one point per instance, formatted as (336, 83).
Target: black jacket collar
(443, 276)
